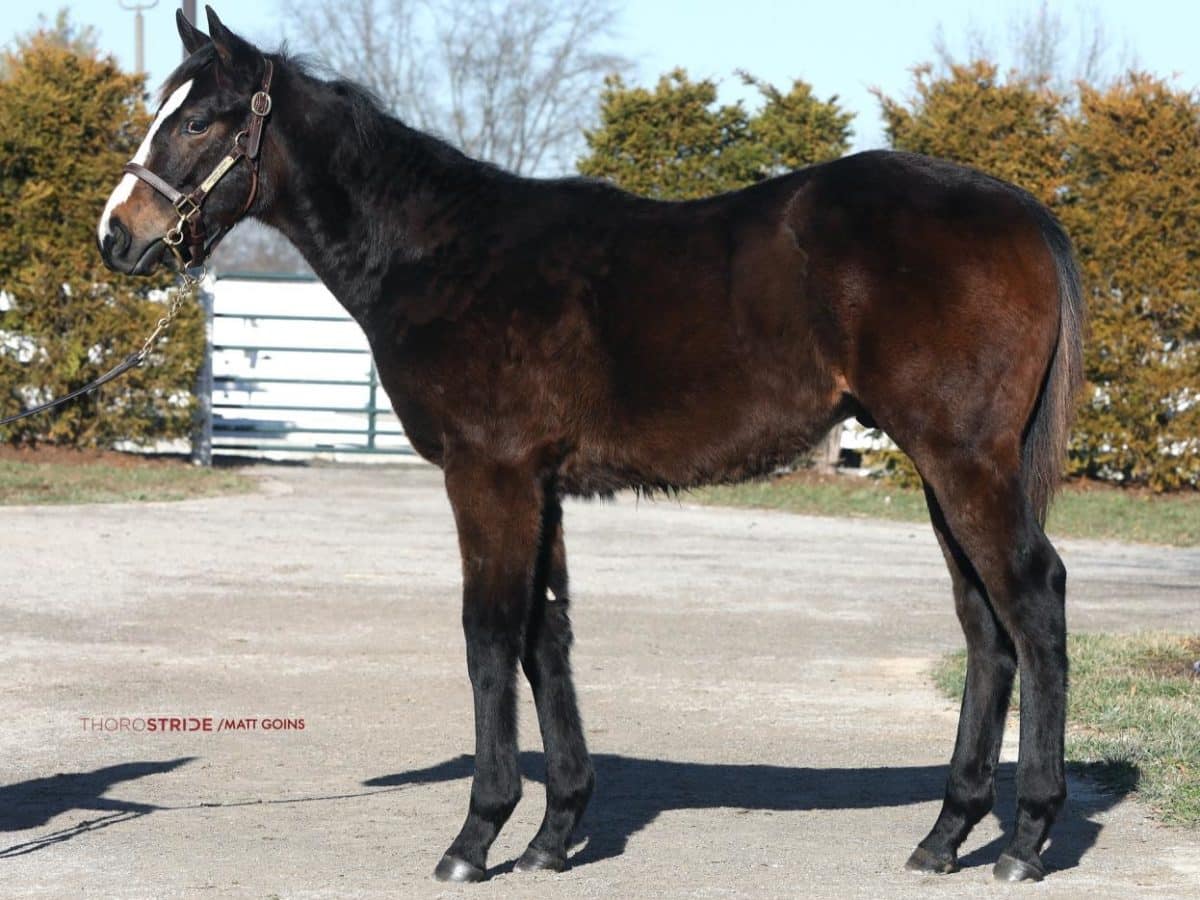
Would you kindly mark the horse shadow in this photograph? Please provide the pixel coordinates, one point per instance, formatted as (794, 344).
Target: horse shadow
(33, 803)
(632, 792)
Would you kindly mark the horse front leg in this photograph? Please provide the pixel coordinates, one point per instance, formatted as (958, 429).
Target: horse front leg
(546, 661)
(498, 511)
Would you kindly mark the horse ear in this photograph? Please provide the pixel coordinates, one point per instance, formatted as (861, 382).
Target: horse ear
(234, 52)
(193, 38)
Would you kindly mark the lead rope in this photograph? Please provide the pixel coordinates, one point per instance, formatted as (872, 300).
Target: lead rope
(177, 295)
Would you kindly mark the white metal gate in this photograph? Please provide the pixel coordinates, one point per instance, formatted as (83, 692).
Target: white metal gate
(289, 374)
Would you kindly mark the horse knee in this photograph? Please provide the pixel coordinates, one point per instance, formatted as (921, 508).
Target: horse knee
(548, 641)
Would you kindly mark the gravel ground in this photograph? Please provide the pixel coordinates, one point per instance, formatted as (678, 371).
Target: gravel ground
(754, 685)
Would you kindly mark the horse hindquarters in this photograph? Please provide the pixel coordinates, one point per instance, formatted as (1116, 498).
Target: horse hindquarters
(1013, 594)
(972, 371)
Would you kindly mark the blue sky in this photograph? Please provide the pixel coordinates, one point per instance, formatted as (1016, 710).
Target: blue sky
(840, 48)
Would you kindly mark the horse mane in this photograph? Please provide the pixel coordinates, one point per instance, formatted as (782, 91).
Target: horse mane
(373, 125)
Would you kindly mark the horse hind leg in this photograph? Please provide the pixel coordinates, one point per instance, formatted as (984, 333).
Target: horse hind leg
(991, 518)
(546, 661)
(991, 664)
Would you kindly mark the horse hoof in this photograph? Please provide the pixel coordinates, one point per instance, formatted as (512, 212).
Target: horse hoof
(1009, 868)
(451, 868)
(924, 861)
(535, 860)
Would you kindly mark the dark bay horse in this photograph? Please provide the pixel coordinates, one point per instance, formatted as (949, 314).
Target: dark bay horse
(540, 338)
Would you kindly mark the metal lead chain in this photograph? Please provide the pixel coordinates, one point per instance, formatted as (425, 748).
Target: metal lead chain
(191, 284)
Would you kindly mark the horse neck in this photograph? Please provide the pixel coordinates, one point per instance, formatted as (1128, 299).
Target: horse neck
(361, 195)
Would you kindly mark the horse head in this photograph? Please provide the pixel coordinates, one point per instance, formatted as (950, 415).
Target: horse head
(195, 174)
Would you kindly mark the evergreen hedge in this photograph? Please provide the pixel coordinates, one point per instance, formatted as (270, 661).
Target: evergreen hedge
(69, 119)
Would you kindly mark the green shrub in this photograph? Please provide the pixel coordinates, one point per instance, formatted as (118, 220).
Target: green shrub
(69, 119)
(675, 142)
(1133, 209)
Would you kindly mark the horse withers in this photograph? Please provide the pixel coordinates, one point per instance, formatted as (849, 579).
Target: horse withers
(543, 338)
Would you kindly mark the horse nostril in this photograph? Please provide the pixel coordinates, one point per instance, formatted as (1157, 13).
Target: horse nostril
(118, 238)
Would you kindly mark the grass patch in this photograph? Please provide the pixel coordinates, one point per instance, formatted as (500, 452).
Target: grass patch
(101, 479)
(1133, 715)
(864, 498)
(1087, 512)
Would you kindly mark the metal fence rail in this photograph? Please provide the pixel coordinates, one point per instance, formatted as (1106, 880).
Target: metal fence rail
(279, 381)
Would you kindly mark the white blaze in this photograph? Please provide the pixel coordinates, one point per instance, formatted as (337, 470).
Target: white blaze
(128, 182)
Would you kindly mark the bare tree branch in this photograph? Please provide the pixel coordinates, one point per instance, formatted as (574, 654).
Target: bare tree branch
(510, 81)
(1037, 40)
(370, 41)
(1039, 47)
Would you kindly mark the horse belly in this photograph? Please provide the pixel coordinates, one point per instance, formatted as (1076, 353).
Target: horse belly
(719, 426)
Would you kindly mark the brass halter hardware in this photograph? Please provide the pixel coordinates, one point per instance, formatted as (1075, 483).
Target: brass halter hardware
(190, 230)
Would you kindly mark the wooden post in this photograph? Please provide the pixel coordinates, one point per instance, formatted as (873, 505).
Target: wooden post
(202, 429)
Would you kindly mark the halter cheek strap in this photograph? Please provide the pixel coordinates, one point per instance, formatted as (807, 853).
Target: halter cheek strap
(190, 231)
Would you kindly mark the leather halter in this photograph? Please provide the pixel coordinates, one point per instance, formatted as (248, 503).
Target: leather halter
(191, 231)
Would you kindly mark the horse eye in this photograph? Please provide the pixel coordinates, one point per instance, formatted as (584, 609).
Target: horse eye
(195, 126)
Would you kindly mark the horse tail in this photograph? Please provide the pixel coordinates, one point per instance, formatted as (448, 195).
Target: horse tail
(1048, 432)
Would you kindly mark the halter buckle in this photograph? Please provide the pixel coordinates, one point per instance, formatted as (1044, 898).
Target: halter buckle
(260, 104)
(187, 208)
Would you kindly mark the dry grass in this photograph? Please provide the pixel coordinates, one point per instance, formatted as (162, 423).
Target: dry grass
(1088, 511)
(55, 475)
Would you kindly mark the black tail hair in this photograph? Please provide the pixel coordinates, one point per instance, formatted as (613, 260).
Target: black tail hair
(1049, 430)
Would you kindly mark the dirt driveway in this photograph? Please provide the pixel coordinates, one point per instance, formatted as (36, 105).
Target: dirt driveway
(753, 686)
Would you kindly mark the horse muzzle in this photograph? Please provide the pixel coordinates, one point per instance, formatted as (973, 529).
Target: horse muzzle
(123, 253)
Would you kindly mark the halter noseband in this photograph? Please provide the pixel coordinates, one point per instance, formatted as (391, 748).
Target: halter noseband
(190, 230)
